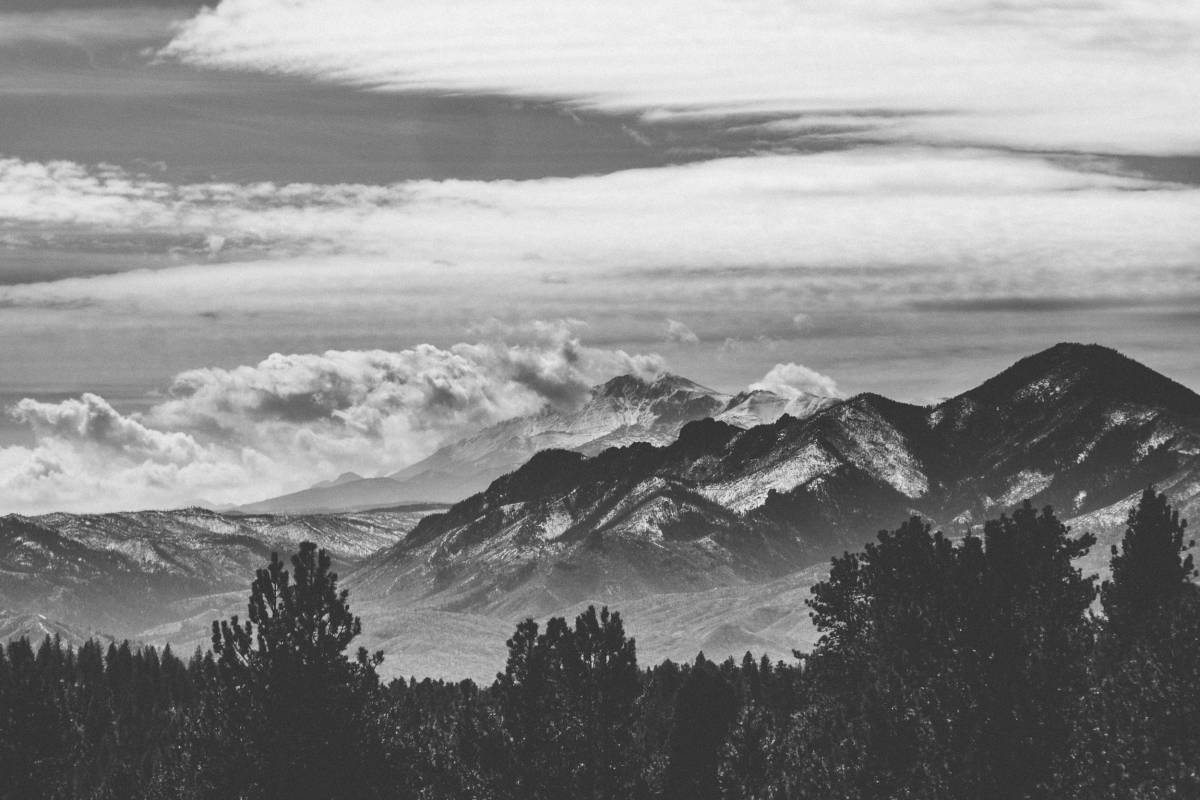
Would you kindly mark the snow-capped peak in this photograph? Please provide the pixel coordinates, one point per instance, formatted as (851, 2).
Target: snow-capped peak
(762, 406)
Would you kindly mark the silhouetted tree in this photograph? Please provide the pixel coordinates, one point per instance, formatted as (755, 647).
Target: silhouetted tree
(946, 669)
(1150, 572)
(301, 698)
(705, 710)
(567, 699)
(1137, 732)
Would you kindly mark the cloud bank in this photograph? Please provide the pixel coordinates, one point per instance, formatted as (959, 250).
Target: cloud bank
(880, 227)
(1106, 76)
(236, 435)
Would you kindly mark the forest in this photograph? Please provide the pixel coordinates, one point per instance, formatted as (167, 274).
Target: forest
(984, 667)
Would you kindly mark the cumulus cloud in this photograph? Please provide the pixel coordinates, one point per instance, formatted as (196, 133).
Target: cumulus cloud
(1108, 76)
(796, 380)
(679, 333)
(244, 433)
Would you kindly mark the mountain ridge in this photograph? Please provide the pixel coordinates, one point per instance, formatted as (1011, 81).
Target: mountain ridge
(1070, 426)
(620, 411)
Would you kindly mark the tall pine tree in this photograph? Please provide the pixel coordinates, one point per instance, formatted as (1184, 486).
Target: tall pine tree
(1150, 572)
(287, 674)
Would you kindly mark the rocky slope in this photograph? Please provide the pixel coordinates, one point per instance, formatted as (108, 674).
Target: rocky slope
(1079, 427)
(624, 410)
(709, 540)
(124, 572)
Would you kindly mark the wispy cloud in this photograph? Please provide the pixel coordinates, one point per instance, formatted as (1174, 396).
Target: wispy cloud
(1109, 75)
(872, 228)
(679, 333)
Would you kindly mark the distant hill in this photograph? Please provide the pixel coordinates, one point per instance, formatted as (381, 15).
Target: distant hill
(124, 572)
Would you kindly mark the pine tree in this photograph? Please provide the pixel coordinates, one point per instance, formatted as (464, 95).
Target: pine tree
(705, 710)
(1137, 732)
(285, 672)
(1150, 572)
(568, 701)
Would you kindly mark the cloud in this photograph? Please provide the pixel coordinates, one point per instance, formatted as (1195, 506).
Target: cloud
(1108, 75)
(244, 433)
(863, 241)
(679, 333)
(873, 226)
(86, 25)
(795, 380)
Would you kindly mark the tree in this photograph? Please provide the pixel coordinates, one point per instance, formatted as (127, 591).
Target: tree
(286, 675)
(1039, 641)
(705, 710)
(1137, 733)
(946, 669)
(567, 698)
(1150, 573)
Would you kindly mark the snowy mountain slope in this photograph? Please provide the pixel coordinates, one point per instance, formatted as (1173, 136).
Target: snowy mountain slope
(707, 541)
(127, 571)
(1080, 427)
(760, 406)
(622, 411)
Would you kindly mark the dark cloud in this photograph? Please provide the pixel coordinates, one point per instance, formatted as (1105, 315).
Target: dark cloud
(1176, 168)
(1033, 304)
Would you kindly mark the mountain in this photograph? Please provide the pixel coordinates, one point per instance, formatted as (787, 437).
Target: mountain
(35, 627)
(722, 508)
(706, 538)
(341, 496)
(760, 406)
(124, 572)
(345, 477)
(619, 412)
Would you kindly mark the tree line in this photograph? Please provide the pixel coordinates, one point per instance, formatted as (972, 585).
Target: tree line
(968, 668)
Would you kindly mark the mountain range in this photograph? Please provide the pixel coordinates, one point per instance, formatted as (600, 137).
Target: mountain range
(624, 410)
(707, 536)
(125, 572)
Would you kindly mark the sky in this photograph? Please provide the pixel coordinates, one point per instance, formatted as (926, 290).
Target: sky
(250, 245)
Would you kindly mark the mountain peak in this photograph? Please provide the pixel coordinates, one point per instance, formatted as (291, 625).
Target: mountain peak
(1096, 372)
(345, 477)
(666, 384)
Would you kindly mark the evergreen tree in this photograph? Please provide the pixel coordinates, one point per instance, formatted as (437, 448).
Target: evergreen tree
(705, 710)
(1137, 732)
(568, 701)
(286, 674)
(1150, 572)
(947, 670)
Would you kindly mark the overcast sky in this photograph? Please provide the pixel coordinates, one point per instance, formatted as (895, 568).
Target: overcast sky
(246, 248)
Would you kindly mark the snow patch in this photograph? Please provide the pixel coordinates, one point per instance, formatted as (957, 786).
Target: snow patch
(555, 525)
(750, 491)
(1027, 483)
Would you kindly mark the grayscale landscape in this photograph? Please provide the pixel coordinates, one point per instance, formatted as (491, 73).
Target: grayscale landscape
(717, 400)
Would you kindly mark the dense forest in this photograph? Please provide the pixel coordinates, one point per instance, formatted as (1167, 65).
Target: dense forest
(968, 668)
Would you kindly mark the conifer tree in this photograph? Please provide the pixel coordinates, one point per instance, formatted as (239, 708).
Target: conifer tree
(286, 671)
(1150, 572)
(705, 710)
